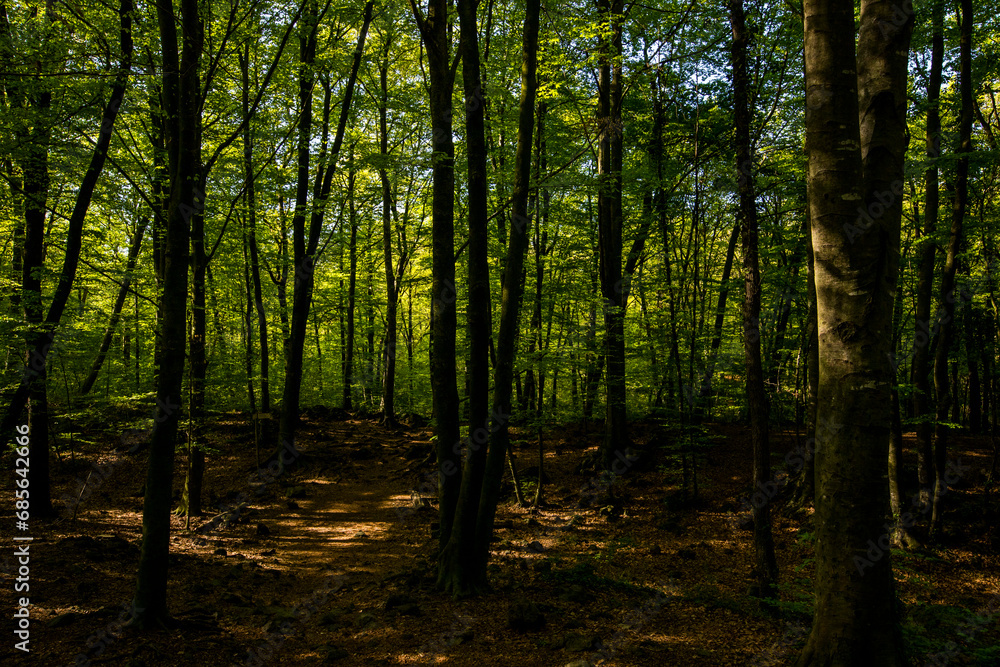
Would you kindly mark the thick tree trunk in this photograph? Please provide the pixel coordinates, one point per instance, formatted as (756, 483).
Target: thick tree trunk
(854, 159)
(765, 565)
(945, 389)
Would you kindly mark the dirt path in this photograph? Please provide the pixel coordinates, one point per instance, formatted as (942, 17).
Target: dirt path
(329, 564)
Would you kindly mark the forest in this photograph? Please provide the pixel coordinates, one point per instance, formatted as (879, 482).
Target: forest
(500, 332)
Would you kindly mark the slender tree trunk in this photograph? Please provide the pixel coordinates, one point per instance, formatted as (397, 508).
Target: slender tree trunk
(925, 273)
(705, 391)
(944, 389)
(248, 341)
(181, 88)
(351, 289)
(392, 277)
(35, 170)
(437, 42)
(250, 195)
(458, 572)
(302, 262)
(510, 306)
(305, 242)
(609, 205)
(436, 39)
(116, 311)
(972, 363)
(766, 567)
(806, 464)
(900, 534)
(190, 504)
(35, 191)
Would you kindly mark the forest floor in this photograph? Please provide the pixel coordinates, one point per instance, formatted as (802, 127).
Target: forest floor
(330, 563)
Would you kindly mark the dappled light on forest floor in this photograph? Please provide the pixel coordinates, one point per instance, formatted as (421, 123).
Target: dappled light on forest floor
(339, 552)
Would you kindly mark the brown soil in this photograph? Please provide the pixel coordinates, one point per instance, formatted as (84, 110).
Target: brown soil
(330, 563)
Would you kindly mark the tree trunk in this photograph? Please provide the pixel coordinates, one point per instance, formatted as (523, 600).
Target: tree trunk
(609, 206)
(900, 534)
(35, 169)
(352, 282)
(705, 391)
(949, 292)
(181, 87)
(190, 504)
(116, 311)
(436, 39)
(925, 272)
(392, 281)
(305, 241)
(510, 306)
(804, 463)
(972, 363)
(35, 190)
(250, 195)
(458, 573)
(854, 158)
(765, 567)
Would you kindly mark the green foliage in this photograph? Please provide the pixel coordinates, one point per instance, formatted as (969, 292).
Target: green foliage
(951, 633)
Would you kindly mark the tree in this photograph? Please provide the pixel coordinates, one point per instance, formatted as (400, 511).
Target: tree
(102, 353)
(457, 571)
(925, 274)
(513, 291)
(949, 295)
(437, 43)
(609, 207)
(766, 567)
(305, 243)
(855, 139)
(180, 88)
(35, 168)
